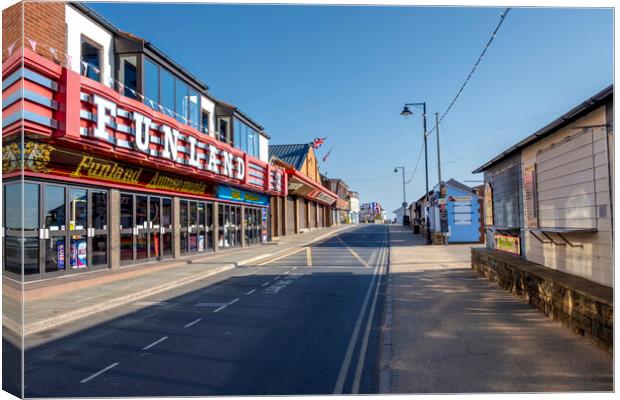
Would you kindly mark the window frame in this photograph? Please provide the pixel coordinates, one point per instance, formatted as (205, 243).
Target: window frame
(99, 47)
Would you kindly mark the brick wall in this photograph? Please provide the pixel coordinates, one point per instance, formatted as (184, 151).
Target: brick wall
(45, 23)
(11, 28)
(583, 306)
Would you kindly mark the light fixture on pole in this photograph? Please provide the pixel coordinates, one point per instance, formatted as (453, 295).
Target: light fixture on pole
(407, 112)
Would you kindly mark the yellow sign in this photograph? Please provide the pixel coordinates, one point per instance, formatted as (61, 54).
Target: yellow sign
(510, 244)
(160, 181)
(92, 168)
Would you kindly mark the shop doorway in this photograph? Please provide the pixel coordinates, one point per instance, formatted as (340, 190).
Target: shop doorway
(253, 225)
(229, 219)
(65, 229)
(196, 222)
(146, 228)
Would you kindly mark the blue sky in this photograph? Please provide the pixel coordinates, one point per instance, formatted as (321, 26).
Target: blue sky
(345, 72)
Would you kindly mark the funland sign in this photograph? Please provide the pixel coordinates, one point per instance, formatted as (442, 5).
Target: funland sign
(160, 140)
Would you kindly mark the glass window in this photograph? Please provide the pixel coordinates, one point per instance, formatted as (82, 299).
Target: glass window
(223, 131)
(256, 144)
(78, 209)
(167, 91)
(128, 75)
(205, 122)
(126, 211)
(55, 208)
(236, 132)
(99, 212)
(180, 95)
(13, 206)
(31, 206)
(151, 82)
(166, 212)
(90, 64)
(194, 108)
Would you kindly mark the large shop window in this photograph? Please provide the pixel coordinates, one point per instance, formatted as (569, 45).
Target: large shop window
(65, 229)
(245, 138)
(90, 57)
(229, 226)
(171, 92)
(196, 224)
(146, 228)
(253, 225)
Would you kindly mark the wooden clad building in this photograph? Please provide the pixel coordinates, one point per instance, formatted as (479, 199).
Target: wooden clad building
(549, 197)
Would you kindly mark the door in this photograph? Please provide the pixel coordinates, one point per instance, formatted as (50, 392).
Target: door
(78, 229)
(98, 227)
(127, 228)
(55, 242)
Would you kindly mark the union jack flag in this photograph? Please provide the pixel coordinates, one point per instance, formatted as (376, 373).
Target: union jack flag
(317, 142)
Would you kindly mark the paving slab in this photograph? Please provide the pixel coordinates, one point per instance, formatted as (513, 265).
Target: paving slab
(453, 331)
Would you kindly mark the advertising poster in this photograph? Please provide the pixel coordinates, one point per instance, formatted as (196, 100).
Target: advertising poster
(263, 225)
(60, 253)
(79, 254)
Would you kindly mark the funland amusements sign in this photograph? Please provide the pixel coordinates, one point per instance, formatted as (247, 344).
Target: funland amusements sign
(76, 112)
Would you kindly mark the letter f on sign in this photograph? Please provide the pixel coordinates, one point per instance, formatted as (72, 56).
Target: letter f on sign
(103, 105)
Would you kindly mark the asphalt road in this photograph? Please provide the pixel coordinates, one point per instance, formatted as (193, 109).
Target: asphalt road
(308, 323)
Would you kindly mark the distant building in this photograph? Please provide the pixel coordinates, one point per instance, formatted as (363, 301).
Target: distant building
(307, 202)
(354, 208)
(399, 215)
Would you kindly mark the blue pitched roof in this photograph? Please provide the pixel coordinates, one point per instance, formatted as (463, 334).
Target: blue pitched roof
(294, 154)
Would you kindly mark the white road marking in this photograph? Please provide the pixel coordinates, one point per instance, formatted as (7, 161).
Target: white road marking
(208, 304)
(347, 359)
(362, 354)
(96, 374)
(266, 283)
(227, 304)
(277, 277)
(192, 323)
(154, 343)
(250, 292)
(150, 303)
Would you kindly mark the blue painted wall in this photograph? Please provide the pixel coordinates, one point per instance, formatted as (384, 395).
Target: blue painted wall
(459, 232)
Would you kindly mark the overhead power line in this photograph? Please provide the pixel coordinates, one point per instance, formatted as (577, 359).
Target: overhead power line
(474, 68)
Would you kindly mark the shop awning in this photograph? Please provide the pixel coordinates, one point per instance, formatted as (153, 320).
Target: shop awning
(300, 185)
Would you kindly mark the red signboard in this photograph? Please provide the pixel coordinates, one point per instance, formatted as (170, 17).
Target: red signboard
(47, 100)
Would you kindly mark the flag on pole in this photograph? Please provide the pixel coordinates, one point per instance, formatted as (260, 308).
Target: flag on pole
(328, 153)
(54, 54)
(33, 44)
(317, 142)
(11, 48)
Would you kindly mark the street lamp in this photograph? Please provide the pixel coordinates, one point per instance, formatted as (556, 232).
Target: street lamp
(407, 112)
(404, 193)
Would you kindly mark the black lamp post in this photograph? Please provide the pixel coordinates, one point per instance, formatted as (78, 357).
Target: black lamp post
(407, 112)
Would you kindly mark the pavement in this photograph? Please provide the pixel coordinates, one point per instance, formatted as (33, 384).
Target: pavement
(52, 303)
(306, 321)
(450, 330)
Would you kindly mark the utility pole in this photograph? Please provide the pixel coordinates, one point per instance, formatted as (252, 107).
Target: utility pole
(438, 152)
(428, 221)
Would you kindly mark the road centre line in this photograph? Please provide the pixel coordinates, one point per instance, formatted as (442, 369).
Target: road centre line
(250, 292)
(266, 283)
(344, 369)
(192, 323)
(96, 374)
(226, 305)
(154, 343)
(362, 354)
